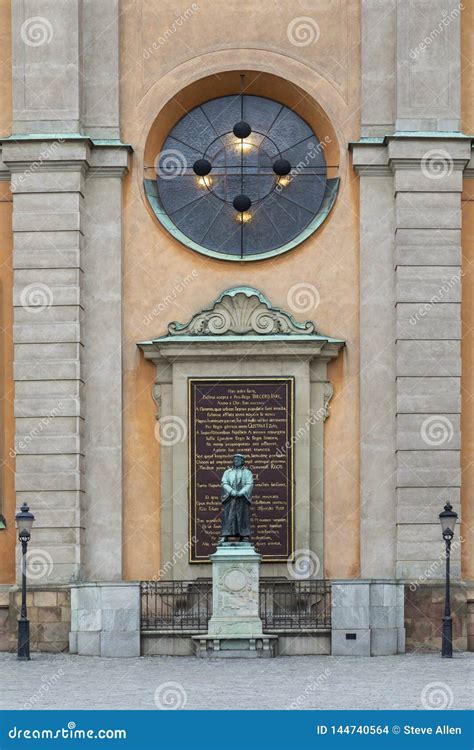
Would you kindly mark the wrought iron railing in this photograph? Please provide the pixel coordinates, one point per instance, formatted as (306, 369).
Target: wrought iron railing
(176, 605)
(285, 604)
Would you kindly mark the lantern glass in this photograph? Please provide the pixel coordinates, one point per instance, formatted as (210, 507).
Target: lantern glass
(24, 519)
(448, 518)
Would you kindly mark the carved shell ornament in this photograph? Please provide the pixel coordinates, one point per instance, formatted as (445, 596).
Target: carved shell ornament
(241, 311)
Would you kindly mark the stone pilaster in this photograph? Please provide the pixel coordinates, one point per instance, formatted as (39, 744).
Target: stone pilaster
(428, 65)
(428, 184)
(378, 64)
(377, 362)
(100, 64)
(48, 198)
(62, 245)
(47, 80)
(67, 259)
(103, 363)
(66, 67)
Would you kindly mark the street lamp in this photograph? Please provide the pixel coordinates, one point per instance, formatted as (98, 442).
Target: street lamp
(448, 518)
(24, 522)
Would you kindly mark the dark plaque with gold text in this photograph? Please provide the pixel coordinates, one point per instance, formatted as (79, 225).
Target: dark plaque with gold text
(253, 416)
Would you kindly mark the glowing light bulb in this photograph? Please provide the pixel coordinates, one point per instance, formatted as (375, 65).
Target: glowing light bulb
(243, 218)
(284, 181)
(243, 146)
(204, 182)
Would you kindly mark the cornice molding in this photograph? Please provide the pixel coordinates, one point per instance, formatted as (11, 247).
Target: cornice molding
(63, 153)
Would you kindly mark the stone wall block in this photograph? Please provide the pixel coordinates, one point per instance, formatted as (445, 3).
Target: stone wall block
(433, 321)
(384, 641)
(109, 612)
(121, 619)
(343, 646)
(428, 284)
(121, 644)
(423, 358)
(423, 504)
(433, 395)
(350, 617)
(88, 644)
(429, 469)
(429, 432)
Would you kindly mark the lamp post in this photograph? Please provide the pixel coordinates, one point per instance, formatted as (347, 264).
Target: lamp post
(24, 522)
(448, 518)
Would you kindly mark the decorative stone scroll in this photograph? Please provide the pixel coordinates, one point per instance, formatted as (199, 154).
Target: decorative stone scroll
(241, 311)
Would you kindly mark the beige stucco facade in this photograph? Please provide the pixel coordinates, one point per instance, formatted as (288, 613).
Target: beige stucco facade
(314, 263)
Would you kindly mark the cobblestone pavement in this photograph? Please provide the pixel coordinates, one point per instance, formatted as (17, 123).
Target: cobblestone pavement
(305, 682)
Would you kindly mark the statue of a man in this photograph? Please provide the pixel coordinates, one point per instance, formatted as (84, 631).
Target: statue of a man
(237, 485)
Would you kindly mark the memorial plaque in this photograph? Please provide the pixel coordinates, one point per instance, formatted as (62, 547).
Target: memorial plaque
(253, 416)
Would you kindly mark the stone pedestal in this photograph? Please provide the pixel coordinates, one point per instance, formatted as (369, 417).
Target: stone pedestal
(235, 628)
(105, 619)
(367, 618)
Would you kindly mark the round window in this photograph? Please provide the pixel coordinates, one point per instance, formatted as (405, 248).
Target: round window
(241, 177)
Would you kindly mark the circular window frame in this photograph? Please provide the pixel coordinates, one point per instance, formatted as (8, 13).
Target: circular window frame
(333, 183)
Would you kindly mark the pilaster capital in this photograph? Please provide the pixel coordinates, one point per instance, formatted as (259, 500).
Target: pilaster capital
(63, 153)
(385, 155)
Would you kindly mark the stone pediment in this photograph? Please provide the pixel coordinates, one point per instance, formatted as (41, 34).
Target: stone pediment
(241, 311)
(240, 317)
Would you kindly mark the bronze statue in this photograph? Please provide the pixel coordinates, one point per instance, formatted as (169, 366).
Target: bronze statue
(237, 485)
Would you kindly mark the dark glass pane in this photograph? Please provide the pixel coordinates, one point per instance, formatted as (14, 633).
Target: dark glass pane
(194, 220)
(175, 157)
(260, 234)
(179, 192)
(260, 113)
(289, 129)
(306, 191)
(307, 154)
(223, 112)
(195, 130)
(258, 186)
(224, 235)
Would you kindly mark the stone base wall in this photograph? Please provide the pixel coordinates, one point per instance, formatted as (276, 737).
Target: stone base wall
(49, 612)
(424, 607)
